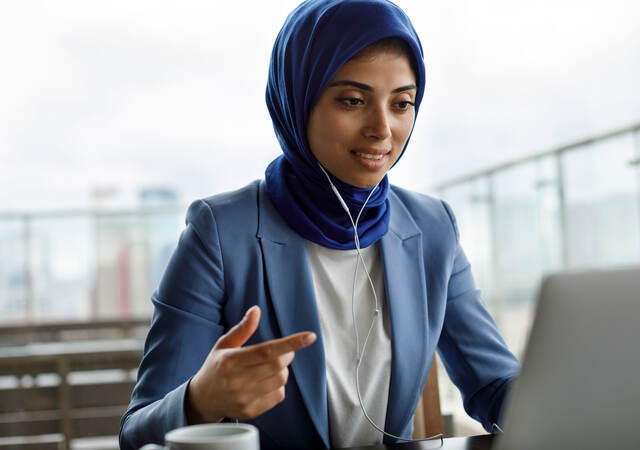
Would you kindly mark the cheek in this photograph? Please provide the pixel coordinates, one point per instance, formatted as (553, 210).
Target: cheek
(337, 124)
(403, 129)
(334, 131)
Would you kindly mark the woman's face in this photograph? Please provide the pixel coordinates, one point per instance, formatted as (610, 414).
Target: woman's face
(363, 118)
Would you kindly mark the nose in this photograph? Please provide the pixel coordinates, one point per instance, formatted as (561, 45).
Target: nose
(377, 125)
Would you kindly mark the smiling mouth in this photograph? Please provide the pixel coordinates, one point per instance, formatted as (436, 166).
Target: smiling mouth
(370, 156)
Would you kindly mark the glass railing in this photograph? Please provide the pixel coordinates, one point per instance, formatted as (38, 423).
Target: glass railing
(83, 264)
(577, 206)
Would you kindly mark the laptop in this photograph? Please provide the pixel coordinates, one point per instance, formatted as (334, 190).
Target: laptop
(579, 387)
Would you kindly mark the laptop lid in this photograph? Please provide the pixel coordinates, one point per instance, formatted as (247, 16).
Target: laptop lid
(580, 381)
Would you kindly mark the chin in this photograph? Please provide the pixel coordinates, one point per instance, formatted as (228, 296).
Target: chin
(366, 183)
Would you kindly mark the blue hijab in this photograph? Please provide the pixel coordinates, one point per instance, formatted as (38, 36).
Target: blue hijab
(317, 38)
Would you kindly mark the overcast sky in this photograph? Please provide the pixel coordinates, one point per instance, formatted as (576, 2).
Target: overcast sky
(128, 94)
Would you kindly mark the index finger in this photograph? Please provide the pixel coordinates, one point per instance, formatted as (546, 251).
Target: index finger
(265, 351)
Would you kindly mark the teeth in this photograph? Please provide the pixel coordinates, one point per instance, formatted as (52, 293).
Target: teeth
(369, 156)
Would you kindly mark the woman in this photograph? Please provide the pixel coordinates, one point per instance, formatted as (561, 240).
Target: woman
(272, 276)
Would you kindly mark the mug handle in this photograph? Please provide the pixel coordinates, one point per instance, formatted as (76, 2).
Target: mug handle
(152, 447)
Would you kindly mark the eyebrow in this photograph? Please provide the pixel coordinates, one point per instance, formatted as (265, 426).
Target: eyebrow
(366, 87)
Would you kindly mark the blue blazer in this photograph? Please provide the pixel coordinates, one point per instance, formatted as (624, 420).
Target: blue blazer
(236, 251)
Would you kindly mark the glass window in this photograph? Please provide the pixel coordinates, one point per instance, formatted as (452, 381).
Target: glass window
(62, 266)
(13, 273)
(527, 242)
(84, 265)
(601, 192)
(470, 202)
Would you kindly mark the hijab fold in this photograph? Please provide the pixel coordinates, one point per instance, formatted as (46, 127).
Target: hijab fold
(317, 38)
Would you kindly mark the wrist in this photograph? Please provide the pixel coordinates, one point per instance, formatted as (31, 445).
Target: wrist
(193, 413)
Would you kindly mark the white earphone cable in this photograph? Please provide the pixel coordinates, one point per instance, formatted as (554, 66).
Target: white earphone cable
(360, 353)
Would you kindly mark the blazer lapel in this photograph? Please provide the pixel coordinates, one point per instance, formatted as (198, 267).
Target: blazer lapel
(404, 273)
(292, 294)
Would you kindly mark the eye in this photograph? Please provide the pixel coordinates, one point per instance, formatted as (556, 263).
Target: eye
(405, 105)
(351, 101)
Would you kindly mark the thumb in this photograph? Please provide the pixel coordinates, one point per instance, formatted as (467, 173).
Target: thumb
(243, 330)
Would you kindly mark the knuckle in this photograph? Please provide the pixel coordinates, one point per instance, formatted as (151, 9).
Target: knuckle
(281, 395)
(290, 357)
(226, 361)
(240, 403)
(266, 352)
(277, 364)
(285, 359)
(282, 377)
(248, 409)
(246, 412)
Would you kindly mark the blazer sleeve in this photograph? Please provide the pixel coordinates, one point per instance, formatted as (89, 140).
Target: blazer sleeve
(186, 324)
(473, 352)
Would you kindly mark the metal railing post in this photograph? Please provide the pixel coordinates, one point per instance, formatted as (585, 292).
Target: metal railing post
(636, 145)
(562, 204)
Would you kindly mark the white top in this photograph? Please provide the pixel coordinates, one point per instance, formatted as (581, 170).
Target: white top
(333, 280)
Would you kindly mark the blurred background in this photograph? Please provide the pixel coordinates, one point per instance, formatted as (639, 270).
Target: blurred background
(115, 115)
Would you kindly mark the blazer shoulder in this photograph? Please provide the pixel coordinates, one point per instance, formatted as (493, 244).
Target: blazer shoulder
(234, 211)
(237, 199)
(426, 210)
(417, 199)
(240, 202)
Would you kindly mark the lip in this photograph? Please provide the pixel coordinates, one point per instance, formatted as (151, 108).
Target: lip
(371, 151)
(371, 164)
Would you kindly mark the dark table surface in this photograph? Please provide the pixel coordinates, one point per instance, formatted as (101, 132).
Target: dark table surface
(482, 442)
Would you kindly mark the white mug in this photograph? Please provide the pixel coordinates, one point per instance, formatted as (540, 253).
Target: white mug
(210, 436)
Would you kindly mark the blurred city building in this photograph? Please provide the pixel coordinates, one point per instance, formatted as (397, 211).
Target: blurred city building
(87, 264)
